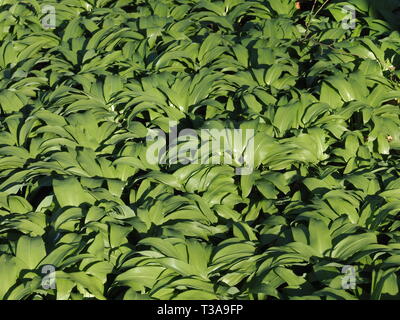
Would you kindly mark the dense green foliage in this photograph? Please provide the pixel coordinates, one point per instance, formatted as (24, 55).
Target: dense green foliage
(77, 192)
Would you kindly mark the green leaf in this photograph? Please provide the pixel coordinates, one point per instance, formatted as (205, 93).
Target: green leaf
(31, 251)
(69, 192)
(320, 238)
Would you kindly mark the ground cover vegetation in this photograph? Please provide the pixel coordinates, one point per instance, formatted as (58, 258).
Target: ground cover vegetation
(78, 193)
